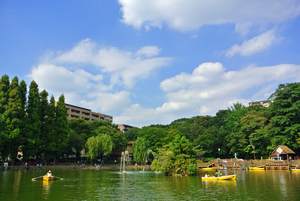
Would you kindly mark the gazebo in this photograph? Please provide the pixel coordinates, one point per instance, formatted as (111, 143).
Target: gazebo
(282, 152)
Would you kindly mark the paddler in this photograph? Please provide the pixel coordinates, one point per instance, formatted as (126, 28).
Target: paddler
(49, 174)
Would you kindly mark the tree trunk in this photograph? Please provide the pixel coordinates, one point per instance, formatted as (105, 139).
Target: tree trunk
(54, 160)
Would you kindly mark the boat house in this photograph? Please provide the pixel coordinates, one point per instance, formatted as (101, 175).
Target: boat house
(283, 153)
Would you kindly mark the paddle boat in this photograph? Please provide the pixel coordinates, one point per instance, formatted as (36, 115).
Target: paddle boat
(207, 169)
(48, 178)
(256, 168)
(227, 177)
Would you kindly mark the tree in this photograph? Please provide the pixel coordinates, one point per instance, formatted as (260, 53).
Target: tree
(45, 127)
(60, 142)
(118, 138)
(99, 145)
(140, 149)
(12, 137)
(176, 157)
(49, 137)
(80, 131)
(132, 134)
(4, 92)
(31, 138)
(285, 112)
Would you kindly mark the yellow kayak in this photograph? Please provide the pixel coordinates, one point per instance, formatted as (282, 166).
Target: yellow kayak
(227, 177)
(295, 169)
(45, 178)
(256, 168)
(207, 169)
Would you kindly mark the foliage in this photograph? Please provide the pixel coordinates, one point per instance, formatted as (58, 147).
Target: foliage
(31, 138)
(132, 134)
(99, 145)
(175, 158)
(140, 149)
(80, 131)
(12, 137)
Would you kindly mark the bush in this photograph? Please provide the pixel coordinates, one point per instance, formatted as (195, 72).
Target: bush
(192, 169)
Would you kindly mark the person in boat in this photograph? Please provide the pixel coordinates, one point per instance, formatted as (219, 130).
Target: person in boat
(49, 174)
(216, 175)
(206, 174)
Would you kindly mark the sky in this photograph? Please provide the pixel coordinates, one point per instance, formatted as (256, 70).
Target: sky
(152, 61)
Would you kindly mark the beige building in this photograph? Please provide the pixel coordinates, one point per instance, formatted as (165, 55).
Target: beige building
(124, 127)
(265, 103)
(86, 114)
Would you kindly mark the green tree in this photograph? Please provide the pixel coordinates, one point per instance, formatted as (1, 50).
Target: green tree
(60, 142)
(12, 121)
(99, 145)
(80, 131)
(140, 149)
(45, 128)
(4, 92)
(285, 114)
(49, 137)
(31, 138)
(176, 157)
(118, 138)
(132, 134)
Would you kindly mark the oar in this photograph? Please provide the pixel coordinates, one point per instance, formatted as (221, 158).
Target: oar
(36, 178)
(58, 177)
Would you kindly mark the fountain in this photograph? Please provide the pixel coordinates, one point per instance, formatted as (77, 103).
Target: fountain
(124, 156)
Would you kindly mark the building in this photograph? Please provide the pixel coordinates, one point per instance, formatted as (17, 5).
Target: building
(124, 127)
(283, 153)
(86, 114)
(265, 103)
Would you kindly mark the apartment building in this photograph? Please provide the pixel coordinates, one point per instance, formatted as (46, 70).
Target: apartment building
(124, 127)
(86, 114)
(265, 103)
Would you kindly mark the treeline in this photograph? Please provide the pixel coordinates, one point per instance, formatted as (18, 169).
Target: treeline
(242, 130)
(37, 128)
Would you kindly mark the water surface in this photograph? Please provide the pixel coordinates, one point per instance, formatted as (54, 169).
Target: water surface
(84, 184)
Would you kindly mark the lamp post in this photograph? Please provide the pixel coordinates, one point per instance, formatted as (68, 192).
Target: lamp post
(253, 147)
(219, 152)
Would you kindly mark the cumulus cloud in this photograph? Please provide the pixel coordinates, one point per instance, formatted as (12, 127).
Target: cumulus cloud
(186, 15)
(208, 89)
(124, 67)
(255, 45)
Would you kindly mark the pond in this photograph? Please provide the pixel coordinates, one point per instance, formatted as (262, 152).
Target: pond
(84, 184)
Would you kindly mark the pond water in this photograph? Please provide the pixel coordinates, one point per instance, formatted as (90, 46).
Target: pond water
(84, 184)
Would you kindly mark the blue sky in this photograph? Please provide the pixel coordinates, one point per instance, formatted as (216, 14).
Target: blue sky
(152, 61)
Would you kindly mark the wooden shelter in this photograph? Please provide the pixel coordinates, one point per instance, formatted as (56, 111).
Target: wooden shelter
(282, 152)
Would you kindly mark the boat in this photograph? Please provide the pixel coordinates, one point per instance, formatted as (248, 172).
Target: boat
(227, 177)
(256, 168)
(207, 169)
(48, 178)
(295, 169)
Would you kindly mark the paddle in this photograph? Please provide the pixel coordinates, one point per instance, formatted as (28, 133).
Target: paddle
(58, 177)
(36, 178)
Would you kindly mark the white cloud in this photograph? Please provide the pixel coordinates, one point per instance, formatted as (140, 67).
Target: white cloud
(208, 89)
(80, 88)
(124, 67)
(255, 45)
(186, 15)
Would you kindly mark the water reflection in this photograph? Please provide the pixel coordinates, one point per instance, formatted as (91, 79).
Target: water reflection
(17, 176)
(46, 189)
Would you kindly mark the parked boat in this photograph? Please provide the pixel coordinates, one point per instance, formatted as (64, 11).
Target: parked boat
(48, 178)
(227, 177)
(256, 168)
(207, 169)
(295, 169)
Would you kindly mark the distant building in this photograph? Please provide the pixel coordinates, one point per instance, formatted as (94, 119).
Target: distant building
(283, 153)
(265, 103)
(86, 114)
(124, 127)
